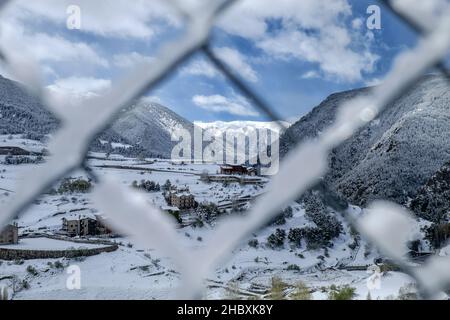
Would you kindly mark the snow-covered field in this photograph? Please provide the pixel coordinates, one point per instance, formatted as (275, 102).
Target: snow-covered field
(133, 272)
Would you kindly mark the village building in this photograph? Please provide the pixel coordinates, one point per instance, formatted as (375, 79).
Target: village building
(85, 225)
(183, 200)
(79, 226)
(10, 234)
(102, 225)
(71, 226)
(234, 169)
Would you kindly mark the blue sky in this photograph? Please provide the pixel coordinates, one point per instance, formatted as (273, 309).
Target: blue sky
(293, 54)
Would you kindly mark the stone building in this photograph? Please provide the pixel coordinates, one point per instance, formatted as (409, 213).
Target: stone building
(10, 234)
(102, 225)
(182, 200)
(85, 225)
(81, 226)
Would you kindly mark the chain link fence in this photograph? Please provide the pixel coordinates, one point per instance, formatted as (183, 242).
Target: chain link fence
(385, 225)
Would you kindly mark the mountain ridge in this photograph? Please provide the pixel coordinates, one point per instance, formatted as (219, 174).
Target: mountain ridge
(144, 127)
(391, 157)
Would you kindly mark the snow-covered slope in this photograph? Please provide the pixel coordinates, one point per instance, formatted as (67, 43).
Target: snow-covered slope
(393, 156)
(145, 126)
(22, 113)
(432, 200)
(149, 126)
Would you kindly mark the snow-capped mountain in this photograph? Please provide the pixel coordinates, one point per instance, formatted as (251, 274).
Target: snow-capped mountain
(22, 113)
(149, 125)
(240, 126)
(394, 155)
(244, 128)
(143, 129)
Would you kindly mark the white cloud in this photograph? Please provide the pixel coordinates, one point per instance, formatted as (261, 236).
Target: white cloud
(330, 52)
(237, 62)
(118, 18)
(129, 60)
(248, 18)
(312, 74)
(151, 99)
(320, 32)
(314, 31)
(200, 68)
(231, 57)
(374, 82)
(218, 103)
(357, 23)
(46, 48)
(73, 90)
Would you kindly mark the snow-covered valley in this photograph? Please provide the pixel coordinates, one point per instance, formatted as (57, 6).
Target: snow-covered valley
(136, 272)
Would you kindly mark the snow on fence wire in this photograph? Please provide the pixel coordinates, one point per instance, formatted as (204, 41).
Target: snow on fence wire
(385, 225)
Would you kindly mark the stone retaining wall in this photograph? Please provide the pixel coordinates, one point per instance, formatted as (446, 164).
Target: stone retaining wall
(26, 254)
(70, 239)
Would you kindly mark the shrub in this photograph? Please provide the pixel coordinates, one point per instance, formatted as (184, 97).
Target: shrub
(207, 211)
(167, 186)
(341, 293)
(276, 239)
(32, 270)
(144, 268)
(146, 185)
(176, 215)
(353, 245)
(293, 267)
(295, 236)
(277, 289)
(388, 266)
(314, 238)
(25, 285)
(253, 243)
(19, 262)
(301, 292)
(288, 213)
(327, 227)
(198, 223)
(74, 185)
(280, 219)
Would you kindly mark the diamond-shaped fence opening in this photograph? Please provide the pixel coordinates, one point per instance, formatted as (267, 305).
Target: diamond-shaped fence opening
(385, 225)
